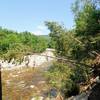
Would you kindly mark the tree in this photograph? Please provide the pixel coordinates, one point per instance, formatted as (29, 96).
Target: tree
(87, 16)
(77, 44)
(56, 31)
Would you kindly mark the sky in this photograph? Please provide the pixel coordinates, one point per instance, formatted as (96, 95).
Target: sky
(30, 15)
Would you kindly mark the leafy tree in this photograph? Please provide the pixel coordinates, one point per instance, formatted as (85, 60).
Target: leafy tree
(87, 28)
(77, 45)
(56, 31)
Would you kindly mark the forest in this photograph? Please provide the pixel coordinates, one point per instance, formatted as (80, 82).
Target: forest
(16, 45)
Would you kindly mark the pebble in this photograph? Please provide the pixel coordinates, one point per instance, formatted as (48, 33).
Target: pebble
(14, 75)
(39, 98)
(32, 86)
(19, 72)
(8, 81)
(41, 82)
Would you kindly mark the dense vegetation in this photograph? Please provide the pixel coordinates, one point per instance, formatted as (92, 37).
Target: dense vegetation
(16, 45)
(77, 47)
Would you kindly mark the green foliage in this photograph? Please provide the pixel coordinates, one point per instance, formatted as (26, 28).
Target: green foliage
(76, 45)
(80, 74)
(60, 77)
(71, 89)
(87, 28)
(61, 39)
(16, 45)
(87, 20)
(58, 74)
(41, 44)
(55, 33)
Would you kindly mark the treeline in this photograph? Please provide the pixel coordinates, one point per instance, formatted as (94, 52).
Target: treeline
(79, 46)
(16, 45)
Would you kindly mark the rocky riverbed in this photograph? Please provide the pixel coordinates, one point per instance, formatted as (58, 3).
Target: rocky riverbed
(25, 84)
(34, 60)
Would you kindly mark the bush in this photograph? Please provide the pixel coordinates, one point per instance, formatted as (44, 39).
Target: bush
(73, 90)
(59, 77)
